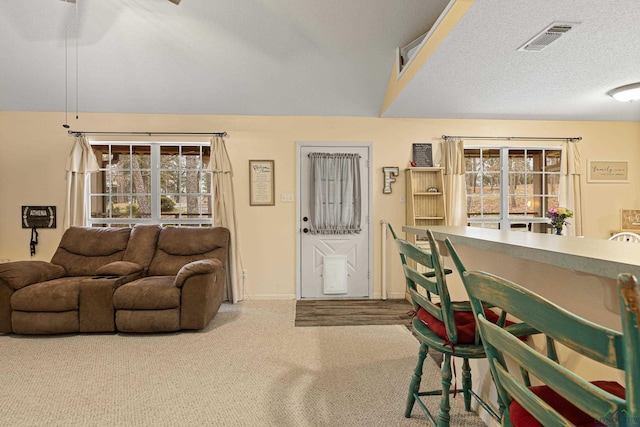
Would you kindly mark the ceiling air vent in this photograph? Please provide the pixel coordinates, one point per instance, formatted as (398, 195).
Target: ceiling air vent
(547, 36)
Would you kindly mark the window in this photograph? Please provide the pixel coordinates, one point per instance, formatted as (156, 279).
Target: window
(511, 187)
(164, 183)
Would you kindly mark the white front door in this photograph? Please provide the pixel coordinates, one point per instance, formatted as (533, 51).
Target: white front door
(333, 265)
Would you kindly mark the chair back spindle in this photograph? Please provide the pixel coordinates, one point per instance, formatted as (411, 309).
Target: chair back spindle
(626, 236)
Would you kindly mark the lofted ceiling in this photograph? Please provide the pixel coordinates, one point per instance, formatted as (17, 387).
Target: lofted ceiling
(318, 58)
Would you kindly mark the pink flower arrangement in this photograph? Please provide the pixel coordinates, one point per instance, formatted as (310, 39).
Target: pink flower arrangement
(558, 217)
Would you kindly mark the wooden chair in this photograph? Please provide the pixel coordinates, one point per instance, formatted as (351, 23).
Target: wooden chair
(562, 398)
(626, 236)
(446, 327)
(429, 272)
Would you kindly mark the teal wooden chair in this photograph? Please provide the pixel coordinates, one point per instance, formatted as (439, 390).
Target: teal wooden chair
(446, 327)
(562, 398)
(429, 272)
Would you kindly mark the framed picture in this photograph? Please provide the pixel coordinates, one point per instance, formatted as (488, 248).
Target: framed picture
(629, 220)
(261, 183)
(422, 155)
(39, 217)
(608, 171)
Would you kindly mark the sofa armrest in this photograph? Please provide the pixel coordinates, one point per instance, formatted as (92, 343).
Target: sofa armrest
(204, 266)
(202, 293)
(19, 274)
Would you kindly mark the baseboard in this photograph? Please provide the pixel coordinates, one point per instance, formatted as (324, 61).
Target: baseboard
(271, 297)
(396, 295)
(286, 297)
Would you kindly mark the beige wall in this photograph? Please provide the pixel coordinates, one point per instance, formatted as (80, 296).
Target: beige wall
(35, 147)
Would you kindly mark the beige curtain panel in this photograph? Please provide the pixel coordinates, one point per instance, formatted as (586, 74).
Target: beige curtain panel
(224, 215)
(570, 193)
(80, 163)
(454, 182)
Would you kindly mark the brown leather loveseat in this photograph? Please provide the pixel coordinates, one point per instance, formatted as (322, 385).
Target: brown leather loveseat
(142, 279)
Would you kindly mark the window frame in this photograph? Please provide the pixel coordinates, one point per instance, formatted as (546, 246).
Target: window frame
(155, 170)
(506, 221)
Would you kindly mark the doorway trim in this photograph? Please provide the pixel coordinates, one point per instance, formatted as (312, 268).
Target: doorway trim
(369, 146)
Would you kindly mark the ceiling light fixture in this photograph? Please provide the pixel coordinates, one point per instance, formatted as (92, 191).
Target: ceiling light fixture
(626, 93)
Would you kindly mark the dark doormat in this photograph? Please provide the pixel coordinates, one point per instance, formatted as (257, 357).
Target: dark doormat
(349, 312)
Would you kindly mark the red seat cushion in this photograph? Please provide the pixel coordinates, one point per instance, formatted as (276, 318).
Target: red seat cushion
(521, 418)
(465, 324)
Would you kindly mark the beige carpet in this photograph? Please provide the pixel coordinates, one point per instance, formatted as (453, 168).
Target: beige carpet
(250, 367)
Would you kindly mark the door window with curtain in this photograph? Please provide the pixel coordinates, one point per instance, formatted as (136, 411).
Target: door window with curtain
(148, 182)
(335, 198)
(511, 187)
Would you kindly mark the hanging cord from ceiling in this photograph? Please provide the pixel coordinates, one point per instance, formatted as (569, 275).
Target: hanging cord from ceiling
(77, 63)
(66, 78)
(66, 69)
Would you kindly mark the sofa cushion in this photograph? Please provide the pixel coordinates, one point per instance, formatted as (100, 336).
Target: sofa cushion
(83, 250)
(178, 246)
(147, 321)
(19, 274)
(53, 295)
(119, 268)
(148, 293)
(142, 244)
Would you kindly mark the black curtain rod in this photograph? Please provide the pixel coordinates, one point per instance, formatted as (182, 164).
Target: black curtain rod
(81, 132)
(512, 138)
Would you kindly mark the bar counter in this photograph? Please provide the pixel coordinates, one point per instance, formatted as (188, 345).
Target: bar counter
(575, 272)
(599, 257)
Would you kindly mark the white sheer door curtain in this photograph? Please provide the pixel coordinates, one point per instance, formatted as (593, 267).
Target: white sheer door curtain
(336, 203)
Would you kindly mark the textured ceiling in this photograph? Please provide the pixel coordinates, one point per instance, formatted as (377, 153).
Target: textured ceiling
(307, 57)
(478, 72)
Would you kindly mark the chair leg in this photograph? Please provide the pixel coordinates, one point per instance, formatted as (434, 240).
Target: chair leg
(443, 420)
(416, 378)
(466, 384)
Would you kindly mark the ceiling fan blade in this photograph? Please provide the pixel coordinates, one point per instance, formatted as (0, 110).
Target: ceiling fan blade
(175, 1)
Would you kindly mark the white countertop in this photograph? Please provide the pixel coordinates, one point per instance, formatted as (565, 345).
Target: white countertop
(593, 256)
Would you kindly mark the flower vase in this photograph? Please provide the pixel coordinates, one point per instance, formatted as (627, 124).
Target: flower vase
(557, 231)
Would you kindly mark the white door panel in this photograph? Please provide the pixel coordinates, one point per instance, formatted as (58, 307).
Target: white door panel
(334, 265)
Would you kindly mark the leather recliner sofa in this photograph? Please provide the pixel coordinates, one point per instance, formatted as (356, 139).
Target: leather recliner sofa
(142, 279)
